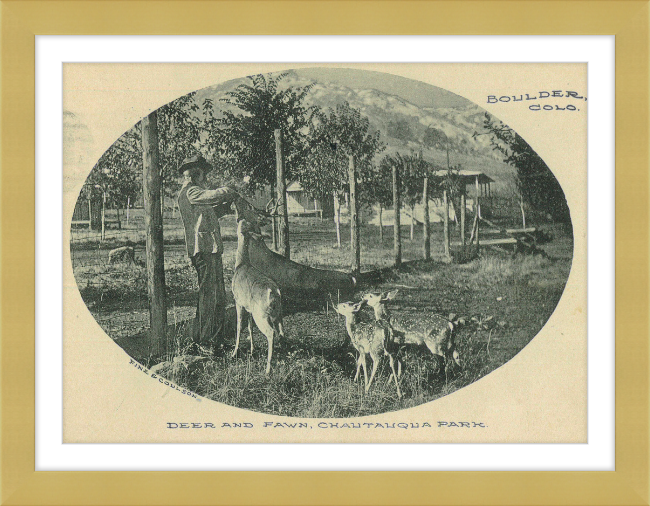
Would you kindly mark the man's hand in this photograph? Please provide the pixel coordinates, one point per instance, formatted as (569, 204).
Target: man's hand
(230, 193)
(243, 186)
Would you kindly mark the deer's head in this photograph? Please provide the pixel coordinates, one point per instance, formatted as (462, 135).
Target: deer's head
(256, 218)
(246, 229)
(349, 309)
(375, 299)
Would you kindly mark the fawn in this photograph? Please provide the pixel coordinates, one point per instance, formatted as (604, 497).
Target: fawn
(255, 294)
(371, 338)
(434, 331)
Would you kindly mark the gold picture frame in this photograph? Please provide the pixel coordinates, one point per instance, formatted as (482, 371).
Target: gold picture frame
(22, 20)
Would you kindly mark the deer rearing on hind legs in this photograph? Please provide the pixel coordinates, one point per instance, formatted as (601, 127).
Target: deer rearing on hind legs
(256, 295)
(370, 338)
(434, 331)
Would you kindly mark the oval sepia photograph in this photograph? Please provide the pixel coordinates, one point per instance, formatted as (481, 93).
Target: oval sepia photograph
(321, 243)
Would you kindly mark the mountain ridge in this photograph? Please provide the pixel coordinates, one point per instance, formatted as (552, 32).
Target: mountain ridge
(404, 126)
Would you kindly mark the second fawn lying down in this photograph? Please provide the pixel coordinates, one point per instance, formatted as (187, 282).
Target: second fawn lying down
(255, 295)
(434, 331)
(370, 338)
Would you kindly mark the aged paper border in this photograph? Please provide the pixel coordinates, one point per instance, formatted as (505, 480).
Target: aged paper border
(22, 20)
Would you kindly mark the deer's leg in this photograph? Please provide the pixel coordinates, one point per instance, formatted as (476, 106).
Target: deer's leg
(392, 368)
(362, 357)
(390, 376)
(356, 376)
(375, 363)
(279, 334)
(250, 332)
(240, 315)
(268, 329)
(269, 338)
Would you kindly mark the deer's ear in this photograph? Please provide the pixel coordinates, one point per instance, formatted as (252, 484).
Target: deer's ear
(390, 295)
(359, 305)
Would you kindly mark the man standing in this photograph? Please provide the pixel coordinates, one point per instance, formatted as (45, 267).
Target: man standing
(200, 210)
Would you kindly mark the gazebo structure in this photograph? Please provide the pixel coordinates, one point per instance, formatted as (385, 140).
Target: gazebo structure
(483, 189)
(479, 180)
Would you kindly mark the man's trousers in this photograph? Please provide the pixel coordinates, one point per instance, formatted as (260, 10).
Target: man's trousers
(210, 309)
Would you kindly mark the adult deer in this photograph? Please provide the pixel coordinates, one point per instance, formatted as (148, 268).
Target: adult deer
(289, 275)
(257, 297)
(434, 331)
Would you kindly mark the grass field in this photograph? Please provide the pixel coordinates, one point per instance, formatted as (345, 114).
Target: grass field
(503, 301)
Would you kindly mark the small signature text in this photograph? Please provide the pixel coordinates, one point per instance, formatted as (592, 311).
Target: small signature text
(162, 380)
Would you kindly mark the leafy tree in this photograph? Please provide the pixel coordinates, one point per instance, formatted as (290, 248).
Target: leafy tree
(335, 135)
(412, 180)
(243, 137)
(400, 130)
(434, 138)
(114, 178)
(377, 185)
(179, 133)
(537, 185)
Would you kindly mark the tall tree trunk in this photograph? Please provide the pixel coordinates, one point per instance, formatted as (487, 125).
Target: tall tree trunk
(274, 223)
(381, 224)
(162, 197)
(282, 196)
(523, 212)
(412, 221)
(354, 218)
(128, 207)
(426, 221)
(397, 204)
(154, 231)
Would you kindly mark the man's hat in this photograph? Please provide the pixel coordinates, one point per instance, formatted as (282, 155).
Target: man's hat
(195, 161)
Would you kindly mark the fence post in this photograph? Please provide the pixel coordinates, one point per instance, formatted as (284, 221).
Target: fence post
(337, 217)
(103, 236)
(478, 216)
(462, 216)
(425, 219)
(281, 185)
(354, 217)
(446, 221)
(90, 214)
(397, 204)
(151, 185)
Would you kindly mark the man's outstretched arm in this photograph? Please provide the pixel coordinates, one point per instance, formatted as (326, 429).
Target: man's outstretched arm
(216, 197)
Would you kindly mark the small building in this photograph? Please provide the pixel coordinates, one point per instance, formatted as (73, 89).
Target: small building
(473, 178)
(300, 203)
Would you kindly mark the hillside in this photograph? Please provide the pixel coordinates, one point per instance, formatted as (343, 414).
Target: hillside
(404, 126)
